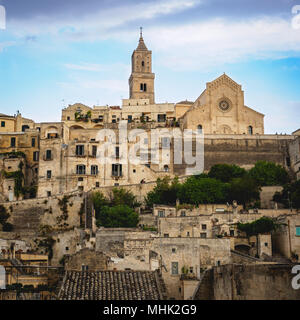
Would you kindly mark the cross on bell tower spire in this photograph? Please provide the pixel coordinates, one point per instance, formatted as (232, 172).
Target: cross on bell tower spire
(141, 32)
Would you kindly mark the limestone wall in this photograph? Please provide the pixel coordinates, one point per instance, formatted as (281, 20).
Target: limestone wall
(249, 282)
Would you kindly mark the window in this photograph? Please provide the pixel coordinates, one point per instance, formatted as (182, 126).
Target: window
(94, 151)
(166, 235)
(13, 142)
(36, 156)
(49, 173)
(84, 268)
(161, 118)
(97, 184)
(203, 226)
(2, 124)
(203, 235)
(80, 179)
(67, 248)
(191, 269)
(80, 188)
(188, 234)
(143, 87)
(52, 135)
(79, 150)
(117, 152)
(94, 170)
(173, 250)
(24, 127)
(48, 193)
(183, 214)
(143, 63)
(199, 128)
(80, 169)
(298, 231)
(166, 168)
(161, 213)
(48, 155)
(231, 233)
(174, 268)
(129, 119)
(116, 170)
(68, 118)
(33, 142)
(250, 130)
(165, 142)
(266, 244)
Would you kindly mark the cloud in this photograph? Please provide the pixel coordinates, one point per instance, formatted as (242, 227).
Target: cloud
(116, 67)
(6, 44)
(219, 41)
(97, 22)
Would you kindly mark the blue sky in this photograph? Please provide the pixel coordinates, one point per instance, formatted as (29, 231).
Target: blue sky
(79, 51)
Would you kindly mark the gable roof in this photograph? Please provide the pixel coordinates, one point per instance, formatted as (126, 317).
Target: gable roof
(111, 285)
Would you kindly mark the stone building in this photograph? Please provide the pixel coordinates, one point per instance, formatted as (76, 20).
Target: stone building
(294, 152)
(66, 156)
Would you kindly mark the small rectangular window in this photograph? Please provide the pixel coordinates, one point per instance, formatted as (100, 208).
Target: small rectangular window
(203, 226)
(174, 268)
(2, 124)
(48, 155)
(94, 170)
(298, 231)
(203, 235)
(161, 213)
(49, 173)
(13, 142)
(36, 156)
(79, 150)
(80, 169)
(33, 142)
(94, 151)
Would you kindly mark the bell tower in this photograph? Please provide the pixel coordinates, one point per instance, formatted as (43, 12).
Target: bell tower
(141, 81)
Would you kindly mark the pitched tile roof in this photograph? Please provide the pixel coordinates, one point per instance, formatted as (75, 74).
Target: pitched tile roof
(112, 285)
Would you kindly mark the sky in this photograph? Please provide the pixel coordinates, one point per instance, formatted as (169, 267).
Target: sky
(54, 53)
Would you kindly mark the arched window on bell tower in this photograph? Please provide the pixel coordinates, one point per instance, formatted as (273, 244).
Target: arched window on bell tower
(145, 87)
(250, 130)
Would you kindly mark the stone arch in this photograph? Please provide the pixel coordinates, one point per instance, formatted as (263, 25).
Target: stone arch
(243, 248)
(75, 127)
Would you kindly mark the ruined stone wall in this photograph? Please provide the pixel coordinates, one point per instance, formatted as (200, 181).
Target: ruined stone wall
(32, 214)
(248, 282)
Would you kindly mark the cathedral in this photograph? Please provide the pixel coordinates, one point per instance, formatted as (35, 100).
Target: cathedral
(63, 156)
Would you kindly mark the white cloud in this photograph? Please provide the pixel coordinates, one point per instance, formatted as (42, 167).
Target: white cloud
(6, 44)
(116, 67)
(215, 42)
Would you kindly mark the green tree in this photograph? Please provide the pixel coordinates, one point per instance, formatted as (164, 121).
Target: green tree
(289, 196)
(244, 190)
(165, 192)
(269, 174)
(205, 190)
(120, 196)
(226, 172)
(260, 226)
(120, 216)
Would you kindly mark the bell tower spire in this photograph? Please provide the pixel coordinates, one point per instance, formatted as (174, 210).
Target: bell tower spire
(141, 81)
